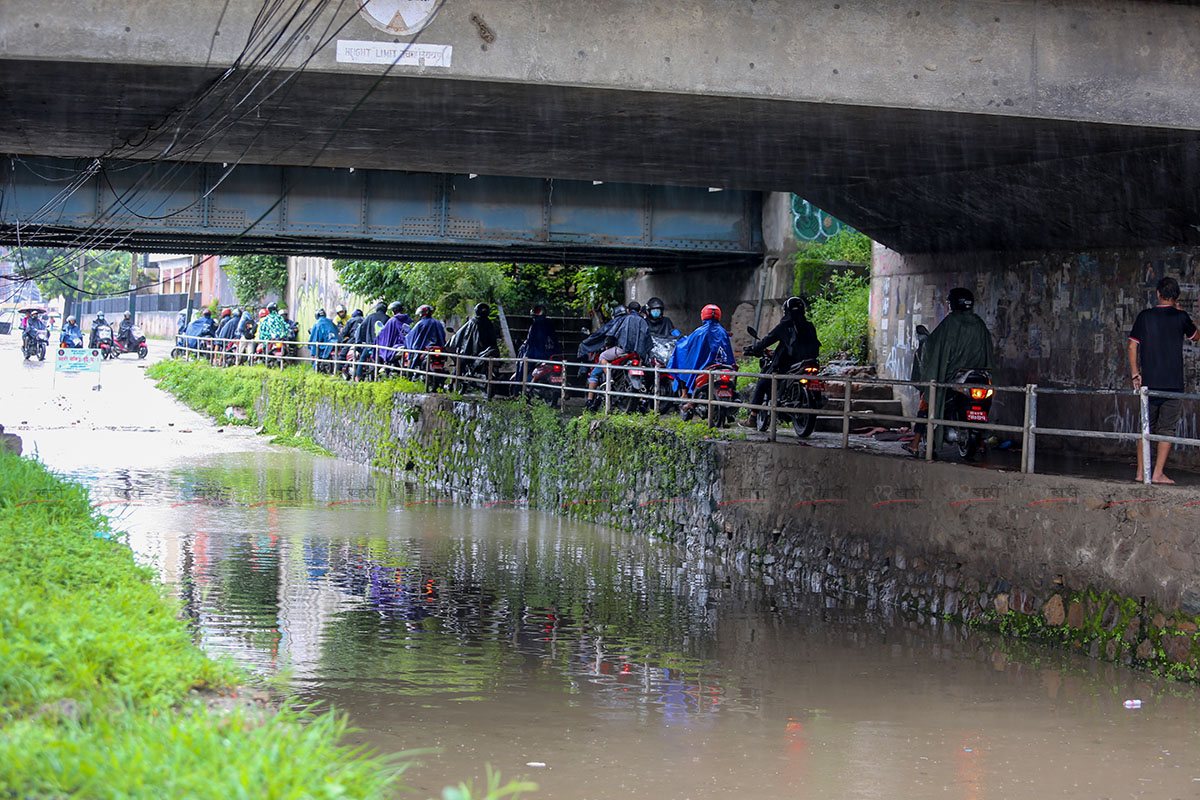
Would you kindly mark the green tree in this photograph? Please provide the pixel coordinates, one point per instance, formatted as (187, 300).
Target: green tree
(255, 276)
(56, 271)
(840, 316)
(814, 259)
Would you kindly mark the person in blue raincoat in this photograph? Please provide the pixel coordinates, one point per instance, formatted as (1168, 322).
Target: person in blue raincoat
(199, 328)
(393, 334)
(708, 344)
(322, 337)
(541, 343)
(428, 332)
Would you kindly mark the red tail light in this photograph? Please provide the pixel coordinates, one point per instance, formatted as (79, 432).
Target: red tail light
(634, 361)
(981, 394)
(557, 368)
(811, 370)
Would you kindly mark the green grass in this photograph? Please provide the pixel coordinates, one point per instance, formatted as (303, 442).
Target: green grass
(96, 672)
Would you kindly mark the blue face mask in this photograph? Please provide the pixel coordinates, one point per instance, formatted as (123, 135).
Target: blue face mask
(656, 313)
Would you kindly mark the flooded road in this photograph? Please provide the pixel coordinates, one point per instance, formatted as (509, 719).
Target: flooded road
(519, 639)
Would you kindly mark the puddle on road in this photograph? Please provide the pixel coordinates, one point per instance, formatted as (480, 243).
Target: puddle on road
(507, 637)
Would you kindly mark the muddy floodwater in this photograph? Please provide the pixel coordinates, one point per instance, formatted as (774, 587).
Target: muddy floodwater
(587, 659)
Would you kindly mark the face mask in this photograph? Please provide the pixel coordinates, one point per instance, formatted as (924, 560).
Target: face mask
(656, 313)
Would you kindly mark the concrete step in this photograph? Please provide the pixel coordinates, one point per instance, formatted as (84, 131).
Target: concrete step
(861, 391)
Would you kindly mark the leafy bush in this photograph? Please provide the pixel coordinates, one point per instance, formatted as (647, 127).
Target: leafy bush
(841, 317)
(255, 276)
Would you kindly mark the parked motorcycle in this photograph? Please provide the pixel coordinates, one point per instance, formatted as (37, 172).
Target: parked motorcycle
(628, 385)
(664, 384)
(545, 382)
(34, 343)
(138, 344)
(801, 388)
(969, 401)
(471, 372)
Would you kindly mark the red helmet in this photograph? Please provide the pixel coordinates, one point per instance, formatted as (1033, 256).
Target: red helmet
(711, 311)
(262, 312)
(225, 312)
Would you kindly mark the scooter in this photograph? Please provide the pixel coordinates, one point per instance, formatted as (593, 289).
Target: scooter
(138, 346)
(545, 382)
(969, 401)
(432, 364)
(660, 356)
(800, 389)
(104, 341)
(724, 383)
(629, 385)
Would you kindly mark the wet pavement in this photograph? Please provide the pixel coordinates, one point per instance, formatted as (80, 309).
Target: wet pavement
(586, 659)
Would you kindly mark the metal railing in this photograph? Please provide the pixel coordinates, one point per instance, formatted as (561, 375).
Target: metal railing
(487, 374)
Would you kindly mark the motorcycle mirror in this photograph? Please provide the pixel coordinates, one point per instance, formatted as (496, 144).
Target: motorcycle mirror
(676, 333)
(752, 331)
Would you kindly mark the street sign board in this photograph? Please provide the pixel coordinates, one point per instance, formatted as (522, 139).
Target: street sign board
(77, 359)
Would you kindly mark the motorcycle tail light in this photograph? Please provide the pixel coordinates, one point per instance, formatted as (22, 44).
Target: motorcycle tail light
(557, 368)
(981, 394)
(811, 370)
(634, 362)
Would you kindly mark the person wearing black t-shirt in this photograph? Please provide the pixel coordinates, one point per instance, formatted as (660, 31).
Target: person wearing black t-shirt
(1157, 337)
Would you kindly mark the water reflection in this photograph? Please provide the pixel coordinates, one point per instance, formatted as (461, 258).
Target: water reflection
(506, 637)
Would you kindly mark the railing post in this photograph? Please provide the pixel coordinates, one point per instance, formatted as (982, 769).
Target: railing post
(657, 388)
(524, 376)
(563, 392)
(846, 415)
(1027, 434)
(607, 387)
(710, 398)
(1144, 443)
(487, 380)
(930, 427)
(774, 407)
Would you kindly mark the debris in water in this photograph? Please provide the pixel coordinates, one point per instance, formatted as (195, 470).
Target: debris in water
(1133, 703)
(535, 763)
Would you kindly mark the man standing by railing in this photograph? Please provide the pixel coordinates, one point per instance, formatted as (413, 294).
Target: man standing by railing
(1157, 337)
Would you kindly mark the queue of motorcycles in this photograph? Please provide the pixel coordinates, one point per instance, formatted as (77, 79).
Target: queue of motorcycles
(111, 347)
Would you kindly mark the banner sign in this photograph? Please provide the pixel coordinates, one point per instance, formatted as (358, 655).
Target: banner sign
(75, 359)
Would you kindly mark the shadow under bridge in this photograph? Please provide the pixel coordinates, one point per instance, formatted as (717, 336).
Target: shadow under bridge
(342, 213)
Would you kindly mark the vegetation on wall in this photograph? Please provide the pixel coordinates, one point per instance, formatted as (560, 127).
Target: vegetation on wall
(453, 287)
(255, 276)
(838, 295)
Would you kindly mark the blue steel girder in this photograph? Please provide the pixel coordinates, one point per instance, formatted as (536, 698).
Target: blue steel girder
(189, 207)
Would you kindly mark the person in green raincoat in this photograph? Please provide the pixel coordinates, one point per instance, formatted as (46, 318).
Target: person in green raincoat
(960, 341)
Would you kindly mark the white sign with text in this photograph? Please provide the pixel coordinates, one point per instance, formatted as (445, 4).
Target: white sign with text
(399, 53)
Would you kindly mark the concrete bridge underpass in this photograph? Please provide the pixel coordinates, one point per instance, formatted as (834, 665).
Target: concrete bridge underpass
(345, 213)
(930, 126)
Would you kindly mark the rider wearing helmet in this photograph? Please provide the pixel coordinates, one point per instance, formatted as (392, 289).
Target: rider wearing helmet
(707, 345)
(321, 337)
(393, 335)
(960, 341)
(125, 331)
(626, 333)
(96, 324)
(542, 341)
(428, 332)
(71, 336)
(660, 324)
(476, 334)
(272, 326)
(797, 341)
(340, 317)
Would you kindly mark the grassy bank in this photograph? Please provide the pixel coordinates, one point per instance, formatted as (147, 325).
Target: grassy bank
(103, 693)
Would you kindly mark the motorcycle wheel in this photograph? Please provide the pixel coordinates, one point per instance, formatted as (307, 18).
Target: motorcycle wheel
(176, 352)
(143, 351)
(27, 352)
(804, 424)
(968, 443)
(41, 352)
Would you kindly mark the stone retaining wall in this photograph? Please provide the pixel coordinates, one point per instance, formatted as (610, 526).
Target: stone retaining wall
(1105, 567)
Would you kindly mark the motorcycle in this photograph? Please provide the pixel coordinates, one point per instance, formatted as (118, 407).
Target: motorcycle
(801, 389)
(545, 382)
(724, 383)
(34, 343)
(472, 373)
(664, 385)
(71, 340)
(432, 364)
(139, 344)
(626, 384)
(969, 401)
(104, 341)
(270, 353)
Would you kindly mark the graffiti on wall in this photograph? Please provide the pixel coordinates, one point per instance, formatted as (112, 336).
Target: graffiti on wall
(811, 224)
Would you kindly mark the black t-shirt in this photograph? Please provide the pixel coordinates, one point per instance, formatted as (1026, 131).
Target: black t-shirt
(1160, 332)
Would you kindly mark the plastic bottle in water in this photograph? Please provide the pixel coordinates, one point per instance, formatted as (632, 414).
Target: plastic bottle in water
(1133, 704)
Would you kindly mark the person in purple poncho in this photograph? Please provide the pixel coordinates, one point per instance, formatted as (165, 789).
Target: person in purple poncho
(391, 337)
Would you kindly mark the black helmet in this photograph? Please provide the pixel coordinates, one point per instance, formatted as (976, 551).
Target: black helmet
(619, 309)
(380, 307)
(634, 306)
(273, 307)
(961, 299)
(793, 305)
(320, 313)
(357, 312)
(537, 311)
(425, 310)
(654, 302)
(396, 307)
(482, 310)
